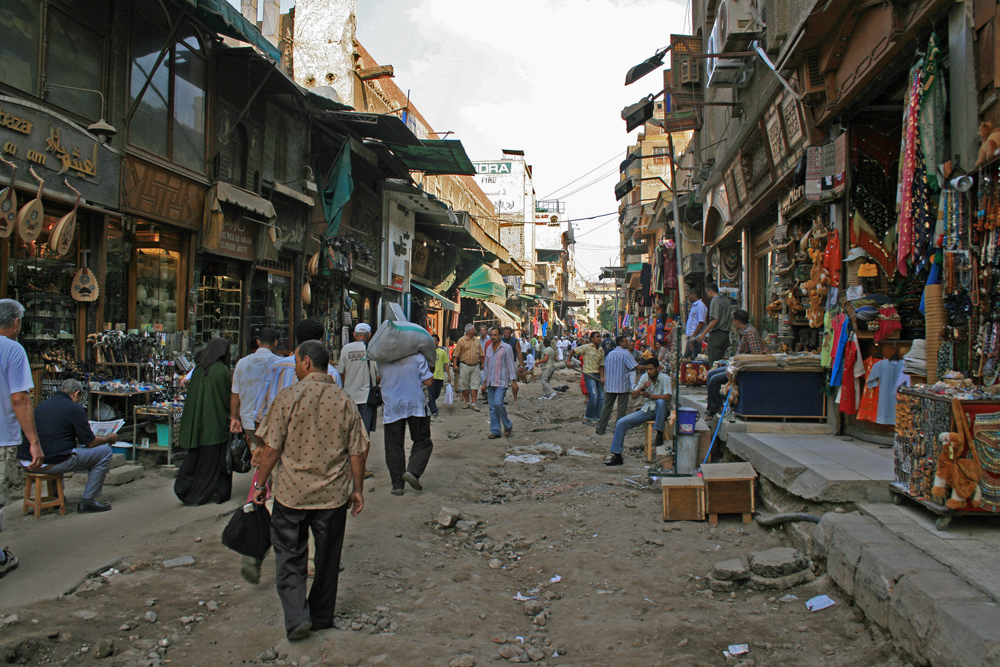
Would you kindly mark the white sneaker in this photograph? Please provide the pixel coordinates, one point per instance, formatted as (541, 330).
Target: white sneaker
(551, 396)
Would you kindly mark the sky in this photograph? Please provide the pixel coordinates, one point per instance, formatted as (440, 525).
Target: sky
(543, 76)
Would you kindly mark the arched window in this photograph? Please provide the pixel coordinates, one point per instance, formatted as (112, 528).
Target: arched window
(170, 117)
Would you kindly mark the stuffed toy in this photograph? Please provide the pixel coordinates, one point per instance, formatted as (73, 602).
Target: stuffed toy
(702, 373)
(954, 469)
(774, 309)
(691, 377)
(991, 142)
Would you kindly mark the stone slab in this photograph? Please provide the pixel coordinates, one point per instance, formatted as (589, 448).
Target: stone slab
(879, 569)
(818, 468)
(124, 474)
(117, 461)
(843, 538)
(778, 562)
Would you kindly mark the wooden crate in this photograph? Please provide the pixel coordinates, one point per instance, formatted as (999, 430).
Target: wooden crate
(729, 489)
(683, 498)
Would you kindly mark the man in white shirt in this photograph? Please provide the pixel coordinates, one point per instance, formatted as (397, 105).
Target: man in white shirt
(403, 406)
(696, 321)
(16, 412)
(561, 346)
(247, 379)
(359, 373)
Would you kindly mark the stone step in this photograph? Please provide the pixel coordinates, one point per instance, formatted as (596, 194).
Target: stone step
(117, 461)
(124, 474)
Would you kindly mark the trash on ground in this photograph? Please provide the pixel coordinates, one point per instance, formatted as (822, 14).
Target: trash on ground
(110, 573)
(523, 458)
(522, 598)
(556, 579)
(819, 602)
(739, 649)
(789, 598)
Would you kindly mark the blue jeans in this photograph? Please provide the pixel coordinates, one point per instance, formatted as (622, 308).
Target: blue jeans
(714, 381)
(595, 396)
(498, 411)
(95, 460)
(638, 418)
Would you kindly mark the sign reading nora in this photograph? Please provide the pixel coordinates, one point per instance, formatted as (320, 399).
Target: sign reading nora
(503, 183)
(493, 167)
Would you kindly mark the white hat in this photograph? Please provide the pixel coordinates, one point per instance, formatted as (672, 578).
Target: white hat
(362, 328)
(855, 253)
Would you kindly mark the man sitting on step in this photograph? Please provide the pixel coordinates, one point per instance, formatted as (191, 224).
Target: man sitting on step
(70, 445)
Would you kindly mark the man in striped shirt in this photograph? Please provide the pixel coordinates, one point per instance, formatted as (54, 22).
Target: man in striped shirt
(749, 343)
(499, 372)
(619, 376)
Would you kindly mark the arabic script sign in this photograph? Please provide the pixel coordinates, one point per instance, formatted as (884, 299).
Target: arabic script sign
(57, 148)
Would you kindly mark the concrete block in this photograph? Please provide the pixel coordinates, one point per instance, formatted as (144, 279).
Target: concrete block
(878, 570)
(117, 461)
(180, 561)
(777, 562)
(759, 583)
(733, 569)
(848, 534)
(964, 634)
(124, 474)
(910, 620)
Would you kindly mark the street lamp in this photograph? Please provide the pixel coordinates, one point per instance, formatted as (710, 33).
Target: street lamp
(646, 66)
(101, 129)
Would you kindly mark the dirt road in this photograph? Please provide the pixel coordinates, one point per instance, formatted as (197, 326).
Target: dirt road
(609, 583)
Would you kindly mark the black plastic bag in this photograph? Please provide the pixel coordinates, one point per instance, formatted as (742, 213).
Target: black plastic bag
(249, 531)
(239, 453)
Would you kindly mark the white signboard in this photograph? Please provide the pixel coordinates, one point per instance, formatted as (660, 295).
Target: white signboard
(503, 182)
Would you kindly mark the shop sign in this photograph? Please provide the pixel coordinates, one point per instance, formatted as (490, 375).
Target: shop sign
(233, 238)
(792, 199)
(57, 148)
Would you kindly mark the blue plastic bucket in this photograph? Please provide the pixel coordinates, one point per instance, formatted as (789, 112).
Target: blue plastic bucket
(686, 419)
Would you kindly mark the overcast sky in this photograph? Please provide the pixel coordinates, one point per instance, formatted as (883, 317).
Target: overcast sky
(543, 76)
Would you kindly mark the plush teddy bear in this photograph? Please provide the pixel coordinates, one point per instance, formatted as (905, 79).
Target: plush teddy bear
(702, 373)
(691, 377)
(991, 142)
(955, 471)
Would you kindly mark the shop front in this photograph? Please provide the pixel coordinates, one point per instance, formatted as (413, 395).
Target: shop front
(59, 189)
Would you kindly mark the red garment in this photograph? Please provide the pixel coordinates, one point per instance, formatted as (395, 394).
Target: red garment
(868, 408)
(849, 386)
(583, 385)
(832, 258)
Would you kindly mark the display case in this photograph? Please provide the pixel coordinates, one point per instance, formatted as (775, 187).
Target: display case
(159, 279)
(220, 309)
(271, 306)
(40, 280)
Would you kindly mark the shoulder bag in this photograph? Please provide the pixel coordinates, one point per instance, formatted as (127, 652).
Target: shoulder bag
(374, 391)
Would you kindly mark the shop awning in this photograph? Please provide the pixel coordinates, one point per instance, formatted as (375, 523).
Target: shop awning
(507, 318)
(227, 20)
(447, 304)
(226, 192)
(634, 268)
(386, 128)
(436, 156)
(484, 284)
(548, 256)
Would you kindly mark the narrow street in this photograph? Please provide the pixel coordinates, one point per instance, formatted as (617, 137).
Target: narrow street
(609, 581)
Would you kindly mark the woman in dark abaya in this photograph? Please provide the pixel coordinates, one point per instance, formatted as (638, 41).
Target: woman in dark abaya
(204, 476)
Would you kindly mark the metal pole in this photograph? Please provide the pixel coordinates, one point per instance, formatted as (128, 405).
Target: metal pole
(680, 281)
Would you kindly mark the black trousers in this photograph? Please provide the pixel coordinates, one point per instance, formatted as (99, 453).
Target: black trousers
(609, 404)
(290, 539)
(395, 452)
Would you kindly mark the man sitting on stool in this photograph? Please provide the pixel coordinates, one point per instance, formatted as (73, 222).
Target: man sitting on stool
(654, 387)
(69, 444)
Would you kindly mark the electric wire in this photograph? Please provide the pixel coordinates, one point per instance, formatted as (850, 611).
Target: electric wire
(614, 157)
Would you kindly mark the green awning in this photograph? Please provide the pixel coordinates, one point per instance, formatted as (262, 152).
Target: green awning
(634, 268)
(226, 20)
(447, 304)
(528, 297)
(547, 255)
(436, 156)
(484, 284)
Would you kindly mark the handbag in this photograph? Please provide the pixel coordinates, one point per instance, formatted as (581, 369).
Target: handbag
(248, 532)
(239, 453)
(374, 391)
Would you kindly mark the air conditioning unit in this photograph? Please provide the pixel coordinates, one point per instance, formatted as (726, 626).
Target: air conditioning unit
(694, 264)
(724, 72)
(737, 25)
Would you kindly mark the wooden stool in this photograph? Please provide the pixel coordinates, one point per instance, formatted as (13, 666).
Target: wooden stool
(40, 501)
(683, 498)
(728, 490)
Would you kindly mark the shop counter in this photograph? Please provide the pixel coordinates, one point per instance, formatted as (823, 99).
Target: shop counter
(781, 394)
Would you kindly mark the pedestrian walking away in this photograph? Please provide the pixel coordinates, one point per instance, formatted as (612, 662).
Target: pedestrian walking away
(719, 320)
(467, 361)
(204, 476)
(442, 371)
(16, 414)
(404, 406)
(359, 374)
(70, 445)
(592, 359)
(314, 431)
(619, 373)
(248, 376)
(655, 389)
(499, 373)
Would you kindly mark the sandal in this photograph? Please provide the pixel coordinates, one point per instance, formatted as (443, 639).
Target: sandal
(493, 436)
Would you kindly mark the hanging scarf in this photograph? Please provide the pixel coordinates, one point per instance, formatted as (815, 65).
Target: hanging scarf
(907, 168)
(933, 101)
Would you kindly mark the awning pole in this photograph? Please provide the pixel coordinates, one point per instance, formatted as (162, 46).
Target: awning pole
(680, 281)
